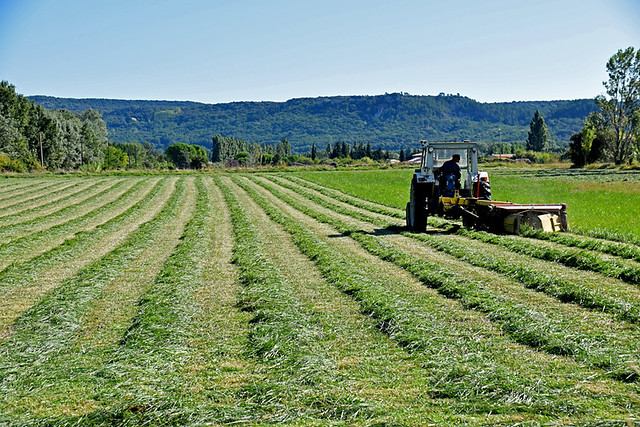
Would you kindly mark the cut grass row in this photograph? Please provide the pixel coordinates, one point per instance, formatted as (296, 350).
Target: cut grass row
(50, 210)
(328, 202)
(623, 250)
(344, 197)
(183, 362)
(412, 326)
(42, 200)
(284, 334)
(563, 289)
(16, 194)
(524, 324)
(571, 257)
(19, 276)
(599, 209)
(109, 200)
(578, 258)
(45, 332)
(607, 242)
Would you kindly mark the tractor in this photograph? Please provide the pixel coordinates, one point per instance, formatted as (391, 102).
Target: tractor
(449, 184)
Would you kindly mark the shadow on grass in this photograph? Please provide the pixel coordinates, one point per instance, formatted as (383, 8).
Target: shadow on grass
(395, 229)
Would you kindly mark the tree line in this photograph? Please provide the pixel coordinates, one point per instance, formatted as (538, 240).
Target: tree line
(36, 138)
(232, 151)
(33, 137)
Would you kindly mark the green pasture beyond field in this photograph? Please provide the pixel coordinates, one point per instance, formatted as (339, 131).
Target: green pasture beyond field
(600, 202)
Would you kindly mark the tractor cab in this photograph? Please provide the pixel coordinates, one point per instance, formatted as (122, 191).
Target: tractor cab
(435, 154)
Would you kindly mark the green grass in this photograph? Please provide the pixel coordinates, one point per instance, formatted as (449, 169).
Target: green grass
(522, 323)
(389, 187)
(563, 289)
(45, 332)
(94, 206)
(594, 207)
(298, 298)
(284, 334)
(600, 206)
(403, 320)
(572, 257)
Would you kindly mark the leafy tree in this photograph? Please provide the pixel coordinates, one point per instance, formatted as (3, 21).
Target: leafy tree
(283, 148)
(225, 148)
(402, 157)
(621, 110)
(242, 158)
(115, 158)
(277, 159)
(136, 154)
(346, 150)
(60, 139)
(314, 154)
(198, 157)
(538, 139)
(94, 136)
(180, 155)
(12, 143)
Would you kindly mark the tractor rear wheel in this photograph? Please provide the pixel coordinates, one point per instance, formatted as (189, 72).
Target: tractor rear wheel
(417, 208)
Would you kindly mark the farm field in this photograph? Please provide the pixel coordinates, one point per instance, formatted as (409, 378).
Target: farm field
(299, 298)
(601, 203)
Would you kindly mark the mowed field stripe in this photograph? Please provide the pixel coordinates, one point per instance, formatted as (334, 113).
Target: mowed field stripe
(21, 192)
(23, 284)
(366, 363)
(622, 246)
(107, 319)
(347, 198)
(285, 335)
(25, 223)
(523, 323)
(22, 229)
(219, 368)
(588, 290)
(40, 353)
(49, 202)
(85, 245)
(38, 200)
(399, 318)
(94, 211)
(625, 270)
(142, 373)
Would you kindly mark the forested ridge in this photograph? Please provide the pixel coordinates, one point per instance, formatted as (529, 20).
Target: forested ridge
(391, 121)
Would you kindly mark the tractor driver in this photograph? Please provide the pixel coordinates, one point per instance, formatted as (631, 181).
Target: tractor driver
(450, 176)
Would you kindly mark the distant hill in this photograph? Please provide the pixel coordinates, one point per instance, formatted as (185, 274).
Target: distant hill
(391, 121)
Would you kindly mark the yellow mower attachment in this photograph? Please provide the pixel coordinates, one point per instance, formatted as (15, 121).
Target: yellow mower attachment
(505, 217)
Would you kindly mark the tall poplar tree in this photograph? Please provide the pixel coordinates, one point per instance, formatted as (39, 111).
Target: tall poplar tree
(538, 139)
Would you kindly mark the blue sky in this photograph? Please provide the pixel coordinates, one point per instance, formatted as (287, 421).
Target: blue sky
(251, 50)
